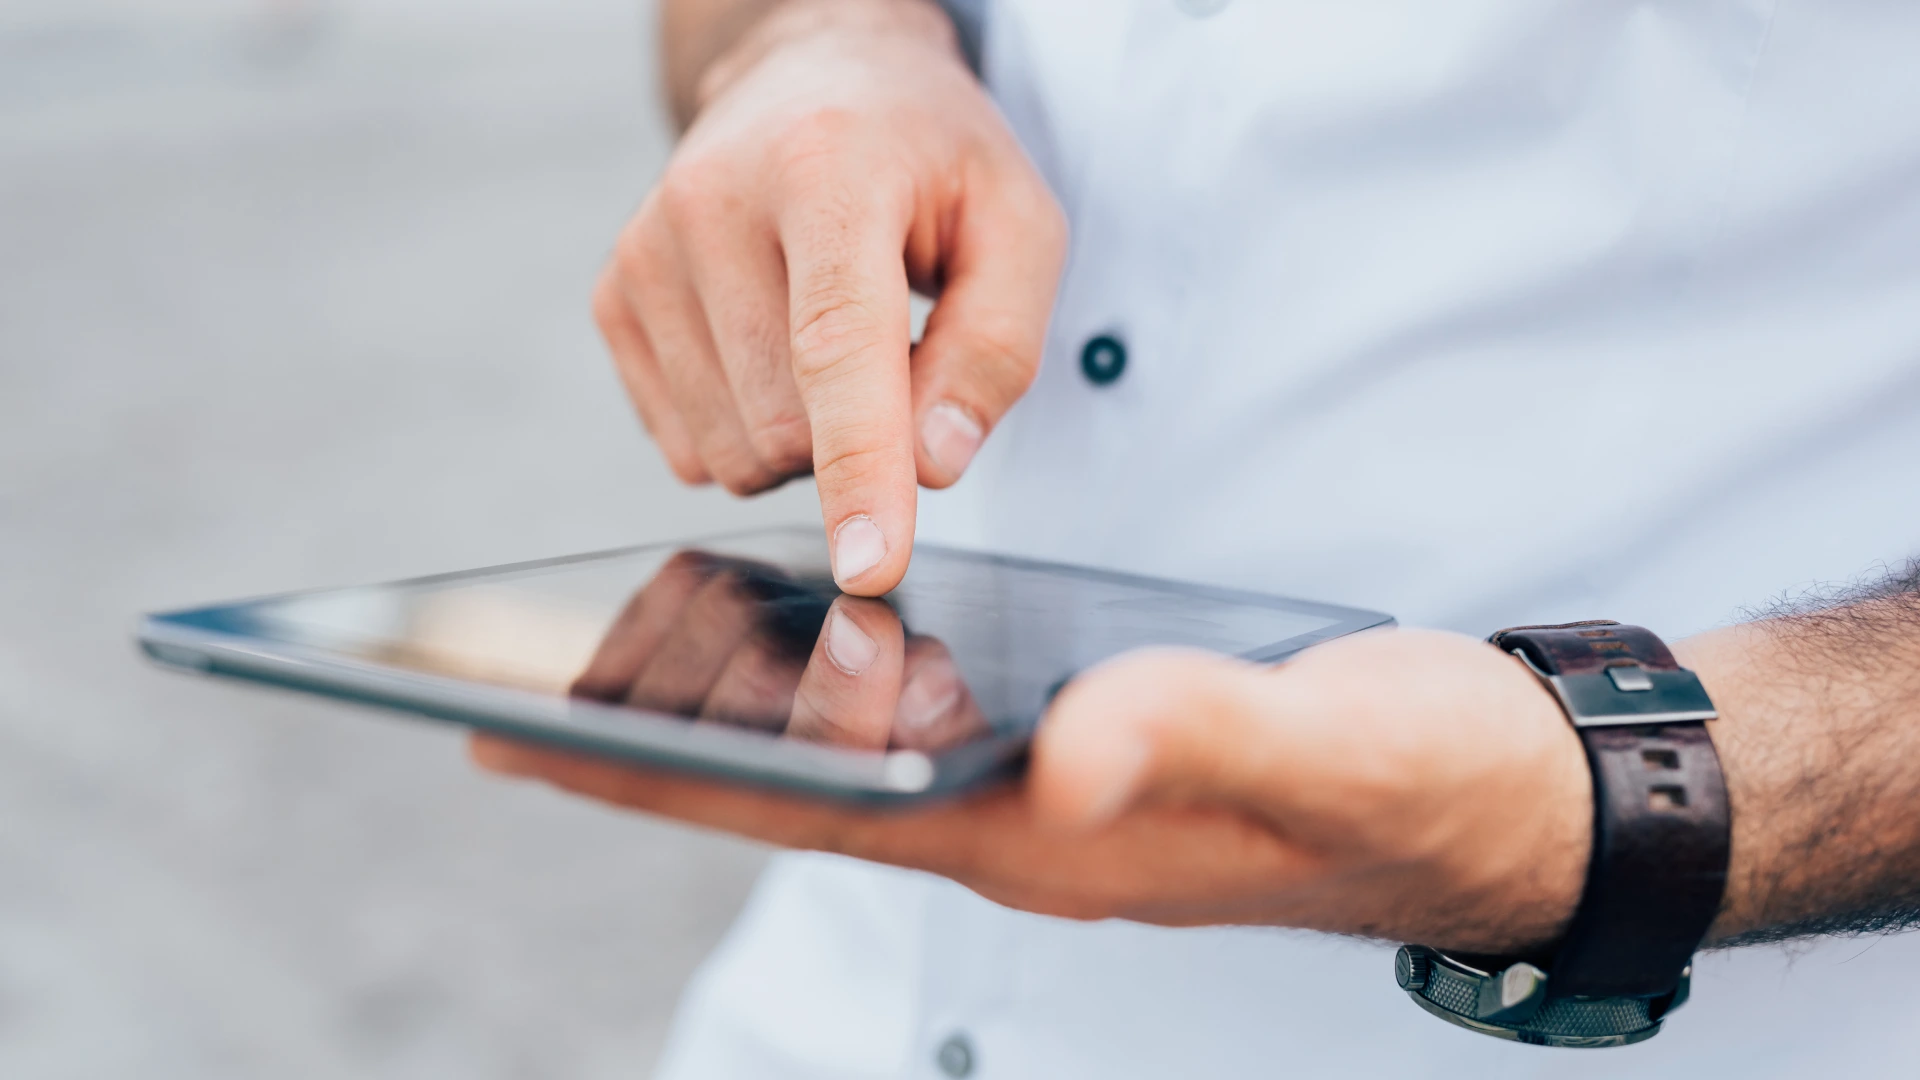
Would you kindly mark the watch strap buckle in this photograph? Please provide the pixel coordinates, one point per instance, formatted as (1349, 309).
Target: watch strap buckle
(1626, 693)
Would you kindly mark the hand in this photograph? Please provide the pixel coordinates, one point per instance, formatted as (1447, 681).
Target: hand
(730, 641)
(756, 305)
(1410, 785)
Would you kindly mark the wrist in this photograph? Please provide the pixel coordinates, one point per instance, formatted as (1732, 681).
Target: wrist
(1547, 868)
(891, 24)
(1503, 833)
(1657, 861)
(1717, 658)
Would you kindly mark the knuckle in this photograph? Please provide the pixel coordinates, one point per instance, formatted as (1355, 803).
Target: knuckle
(1004, 364)
(829, 170)
(634, 261)
(784, 443)
(1040, 222)
(819, 135)
(837, 467)
(686, 467)
(739, 471)
(744, 484)
(692, 188)
(831, 327)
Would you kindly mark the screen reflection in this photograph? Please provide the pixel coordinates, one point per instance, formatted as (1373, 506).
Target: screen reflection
(729, 640)
(749, 631)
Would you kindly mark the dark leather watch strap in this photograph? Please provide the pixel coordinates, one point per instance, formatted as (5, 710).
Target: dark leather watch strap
(1661, 826)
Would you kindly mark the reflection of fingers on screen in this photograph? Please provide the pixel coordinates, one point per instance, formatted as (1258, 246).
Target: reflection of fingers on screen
(636, 632)
(683, 670)
(848, 700)
(756, 687)
(936, 710)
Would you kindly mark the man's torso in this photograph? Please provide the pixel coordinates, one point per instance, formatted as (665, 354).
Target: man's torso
(1478, 313)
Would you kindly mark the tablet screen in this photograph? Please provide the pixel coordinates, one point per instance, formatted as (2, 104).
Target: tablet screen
(750, 631)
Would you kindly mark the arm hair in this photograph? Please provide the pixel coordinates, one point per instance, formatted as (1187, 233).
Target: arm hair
(1820, 698)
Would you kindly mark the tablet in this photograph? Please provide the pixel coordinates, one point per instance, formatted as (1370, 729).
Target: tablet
(737, 657)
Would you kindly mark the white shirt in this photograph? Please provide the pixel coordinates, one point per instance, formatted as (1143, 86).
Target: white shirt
(1478, 312)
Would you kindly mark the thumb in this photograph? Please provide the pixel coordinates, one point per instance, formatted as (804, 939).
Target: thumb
(983, 340)
(1156, 723)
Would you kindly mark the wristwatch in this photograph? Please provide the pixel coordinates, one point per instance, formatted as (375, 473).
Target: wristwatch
(1661, 831)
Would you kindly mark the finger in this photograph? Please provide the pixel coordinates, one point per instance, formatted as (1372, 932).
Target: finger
(950, 837)
(777, 819)
(742, 282)
(925, 837)
(936, 709)
(983, 841)
(675, 326)
(851, 688)
(646, 387)
(983, 341)
(1162, 722)
(849, 329)
(641, 626)
(758, 684)
(691, 656)
(756, 687)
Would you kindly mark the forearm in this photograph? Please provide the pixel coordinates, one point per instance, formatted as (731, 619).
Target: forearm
(698, 38)
(1820, 738)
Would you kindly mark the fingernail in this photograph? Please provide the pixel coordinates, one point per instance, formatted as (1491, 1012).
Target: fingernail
(850, 649)
(952, 436)
(858, 546)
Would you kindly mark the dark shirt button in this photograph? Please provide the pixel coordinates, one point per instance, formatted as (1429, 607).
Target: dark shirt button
(1102, 359)
(955, 1056)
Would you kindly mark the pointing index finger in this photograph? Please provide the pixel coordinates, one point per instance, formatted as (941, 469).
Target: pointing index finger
(847, 286)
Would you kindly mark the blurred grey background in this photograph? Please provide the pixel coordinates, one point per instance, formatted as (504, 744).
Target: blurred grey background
(293, 294)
